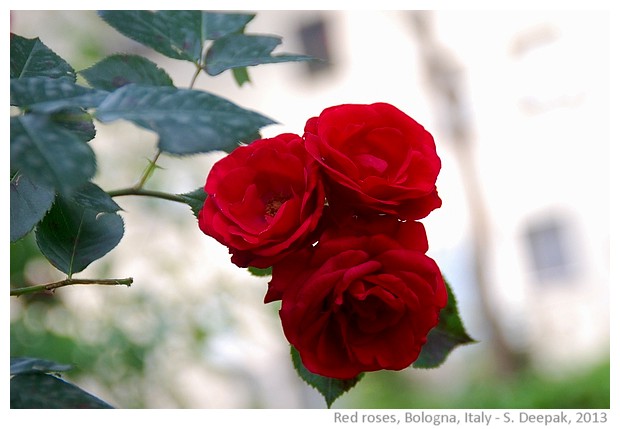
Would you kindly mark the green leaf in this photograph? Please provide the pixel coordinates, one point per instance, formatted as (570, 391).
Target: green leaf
(77, 121)
(119, 70)
(47, 95)
(330, 388)
(94, 198)
(178, 34)
(260, 272)
(195, 200)
(49, 154)
(29, 203)
(219, 24)
(71, 236)
(241, 50)
(38, 390)
(241, 75)
(31, 58)
(445, 337)
(187, 121)
(249, 139)
(26, 365)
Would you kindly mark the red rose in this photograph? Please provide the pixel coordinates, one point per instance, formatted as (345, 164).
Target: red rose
(375, 158)
(264, 200)
(363, 299)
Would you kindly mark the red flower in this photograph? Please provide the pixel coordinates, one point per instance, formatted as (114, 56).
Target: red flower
(264, 200)
(363, 299)
(375, 158)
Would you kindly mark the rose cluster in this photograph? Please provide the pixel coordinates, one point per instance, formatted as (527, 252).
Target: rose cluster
(335, 213)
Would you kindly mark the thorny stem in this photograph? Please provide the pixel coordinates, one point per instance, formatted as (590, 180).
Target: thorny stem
(70, 281)
(147, 193)
(148, 172)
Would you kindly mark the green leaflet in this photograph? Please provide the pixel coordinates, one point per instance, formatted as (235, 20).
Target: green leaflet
(25, 365)
(178, 34)
(195, 200)
(187, 121)
(92, 197)
(29, 203)
(47, 95)
(118, 70)
(241, 50)
(39, 390)
(31, 58)
(71, 236)
(50, 155)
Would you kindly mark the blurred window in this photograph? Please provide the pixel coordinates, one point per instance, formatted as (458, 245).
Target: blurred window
(547, 246)
(316, 43)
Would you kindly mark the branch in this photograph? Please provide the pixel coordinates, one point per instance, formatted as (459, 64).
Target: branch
(146, 193)
(66, 282)
(195, 76)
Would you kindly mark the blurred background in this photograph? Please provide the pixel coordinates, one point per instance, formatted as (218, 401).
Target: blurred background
(518, 103)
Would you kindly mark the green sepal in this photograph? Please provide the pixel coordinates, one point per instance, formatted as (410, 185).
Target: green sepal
(260, 272)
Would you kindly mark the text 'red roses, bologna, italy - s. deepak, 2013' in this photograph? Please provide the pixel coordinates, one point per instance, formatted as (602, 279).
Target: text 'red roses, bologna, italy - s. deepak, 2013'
(336, 213)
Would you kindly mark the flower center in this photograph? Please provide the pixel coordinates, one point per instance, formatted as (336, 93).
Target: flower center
(273, 205)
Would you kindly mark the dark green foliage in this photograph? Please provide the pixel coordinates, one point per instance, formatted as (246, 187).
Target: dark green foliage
(49, 134)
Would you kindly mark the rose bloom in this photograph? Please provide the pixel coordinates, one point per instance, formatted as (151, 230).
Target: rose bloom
(376, 158)
(263, 200)
(363, 299)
